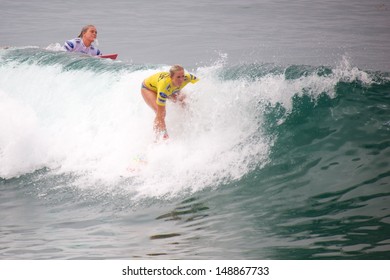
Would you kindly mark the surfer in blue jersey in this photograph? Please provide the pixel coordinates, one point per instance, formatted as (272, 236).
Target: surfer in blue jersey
(83, 43)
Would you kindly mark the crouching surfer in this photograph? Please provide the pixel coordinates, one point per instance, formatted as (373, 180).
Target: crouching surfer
(160, 87)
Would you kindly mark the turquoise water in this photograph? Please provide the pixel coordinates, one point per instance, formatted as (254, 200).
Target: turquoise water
(266, 163)
(282, 152)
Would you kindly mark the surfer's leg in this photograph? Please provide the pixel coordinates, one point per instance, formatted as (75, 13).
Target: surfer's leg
(150, 98)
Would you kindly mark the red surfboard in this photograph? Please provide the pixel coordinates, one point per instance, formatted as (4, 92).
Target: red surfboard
(112, 56)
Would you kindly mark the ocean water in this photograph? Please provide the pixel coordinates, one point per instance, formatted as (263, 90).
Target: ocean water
(282, 152)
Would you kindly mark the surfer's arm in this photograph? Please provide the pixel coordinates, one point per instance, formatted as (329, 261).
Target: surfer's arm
(70, 45)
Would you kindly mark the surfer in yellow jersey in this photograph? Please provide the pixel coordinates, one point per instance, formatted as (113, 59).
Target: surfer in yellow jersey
(160, 87)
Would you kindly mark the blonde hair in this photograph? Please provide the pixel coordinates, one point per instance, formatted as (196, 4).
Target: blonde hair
(175, 68)
(85, 29)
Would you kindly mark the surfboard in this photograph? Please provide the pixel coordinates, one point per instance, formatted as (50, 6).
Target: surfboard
(113, 56)
(137, 164)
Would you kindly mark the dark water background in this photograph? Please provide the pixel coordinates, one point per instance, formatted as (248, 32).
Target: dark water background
(194, 33)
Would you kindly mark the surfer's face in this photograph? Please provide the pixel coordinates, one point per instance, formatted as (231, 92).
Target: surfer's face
(91, 34)
(178, 78)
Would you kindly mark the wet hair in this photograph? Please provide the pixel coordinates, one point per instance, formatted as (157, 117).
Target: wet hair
(174, 69)
(85, 29)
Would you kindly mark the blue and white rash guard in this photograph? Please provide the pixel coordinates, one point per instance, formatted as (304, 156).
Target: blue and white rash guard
(77, 45)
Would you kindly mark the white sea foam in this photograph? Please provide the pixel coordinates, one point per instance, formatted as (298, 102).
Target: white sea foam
(93, 124)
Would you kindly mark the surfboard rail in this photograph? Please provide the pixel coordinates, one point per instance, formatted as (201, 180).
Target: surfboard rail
(112, 56)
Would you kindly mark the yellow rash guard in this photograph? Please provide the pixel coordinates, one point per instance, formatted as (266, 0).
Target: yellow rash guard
(161, 83)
